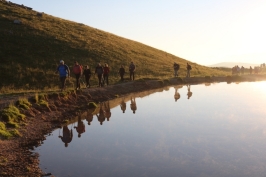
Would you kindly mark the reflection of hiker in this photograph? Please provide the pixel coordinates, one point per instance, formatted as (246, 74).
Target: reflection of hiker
(87, 74)
(189, 93)
(176, 68)
(132, 69)
(77, 70)
(133, 105)
(188, 69)
(122, 72)
(81, 127)
(101, 117)
(123, 105)
(67, 135)
(89, 117)
(99, 72)
(177, 95)
(64, 72)
(107, 110)
(106, 71)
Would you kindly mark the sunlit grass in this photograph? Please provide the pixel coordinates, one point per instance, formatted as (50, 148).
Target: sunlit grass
(32, 51)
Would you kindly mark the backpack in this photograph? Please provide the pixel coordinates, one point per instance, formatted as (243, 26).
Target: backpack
(132, 67)
(77, 69)
(189, 67)
(176, 66)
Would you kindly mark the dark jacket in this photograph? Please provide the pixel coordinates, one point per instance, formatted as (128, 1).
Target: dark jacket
(87, 72)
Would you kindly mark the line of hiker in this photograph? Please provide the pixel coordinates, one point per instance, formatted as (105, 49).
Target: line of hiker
(102, 73)
(177, 67)
(241, 70)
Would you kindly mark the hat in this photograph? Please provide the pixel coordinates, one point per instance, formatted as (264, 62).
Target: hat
(61, 61)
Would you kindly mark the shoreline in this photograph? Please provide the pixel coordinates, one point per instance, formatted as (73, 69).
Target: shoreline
(16, 158)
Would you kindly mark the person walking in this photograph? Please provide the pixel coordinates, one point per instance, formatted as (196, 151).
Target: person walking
(176, 68)
(87, 74)
(132, 69)
(122, 72)
(77, 70)
(250, 70)
(188, 70)
(64, 72)
(99, 72)
(106, 71)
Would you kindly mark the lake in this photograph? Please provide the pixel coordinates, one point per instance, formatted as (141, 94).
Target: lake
(198, 130)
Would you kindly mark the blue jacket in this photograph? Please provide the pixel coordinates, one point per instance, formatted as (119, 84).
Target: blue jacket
(63, 70)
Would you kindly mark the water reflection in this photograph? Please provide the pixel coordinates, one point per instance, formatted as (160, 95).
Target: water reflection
(189, 93)
(177, 95)
(123, 105)
(107, 110)
(81, 126)
(101, 116)
(89, 116)
(221, 138)
(67, 135)
(133, 104)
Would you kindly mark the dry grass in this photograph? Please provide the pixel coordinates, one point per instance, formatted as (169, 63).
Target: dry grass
(30, 52)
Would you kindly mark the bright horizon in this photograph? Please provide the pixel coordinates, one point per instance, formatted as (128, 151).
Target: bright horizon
(202, 31)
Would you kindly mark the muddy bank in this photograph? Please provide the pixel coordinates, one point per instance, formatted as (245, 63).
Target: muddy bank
(16, 159)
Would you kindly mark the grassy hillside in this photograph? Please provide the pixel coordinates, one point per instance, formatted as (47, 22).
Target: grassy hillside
(31, 51)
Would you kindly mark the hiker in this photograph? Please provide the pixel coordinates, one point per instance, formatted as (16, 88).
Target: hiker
(250, 70)
(176, 68)
(123, 105)
(87, 74)
(81, 127)
(106, 71)
(133, 105)
(99, 72)
(101, 117)
(64, 72)
(107, 110)
(67, 135)
(189, 93)
(242, 70)
(122, 72)
(132, 69)
(188, 69)
(77, 70)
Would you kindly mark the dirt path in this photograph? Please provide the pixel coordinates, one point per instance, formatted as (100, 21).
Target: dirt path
(16, 159)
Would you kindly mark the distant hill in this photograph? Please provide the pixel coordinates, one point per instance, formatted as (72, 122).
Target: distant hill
(30, 51)
(232, 64)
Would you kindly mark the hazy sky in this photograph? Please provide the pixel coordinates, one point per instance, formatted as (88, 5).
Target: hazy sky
(202, 31)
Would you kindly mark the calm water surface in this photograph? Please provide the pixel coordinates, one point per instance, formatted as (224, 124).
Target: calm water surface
(219, 131)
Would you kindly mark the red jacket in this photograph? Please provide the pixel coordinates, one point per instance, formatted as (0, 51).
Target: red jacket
(106, 70)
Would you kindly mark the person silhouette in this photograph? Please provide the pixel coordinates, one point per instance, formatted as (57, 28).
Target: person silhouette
(101, 117)
(67, 135)
(81, 126)
(123, 105)
(107, 110)
(189, 93)
(177, 95)
(89, 117)
(133, 105)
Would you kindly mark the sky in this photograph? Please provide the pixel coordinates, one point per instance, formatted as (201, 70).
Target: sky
(202, 31)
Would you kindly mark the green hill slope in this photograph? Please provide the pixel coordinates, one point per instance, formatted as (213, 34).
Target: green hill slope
(31, 51)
